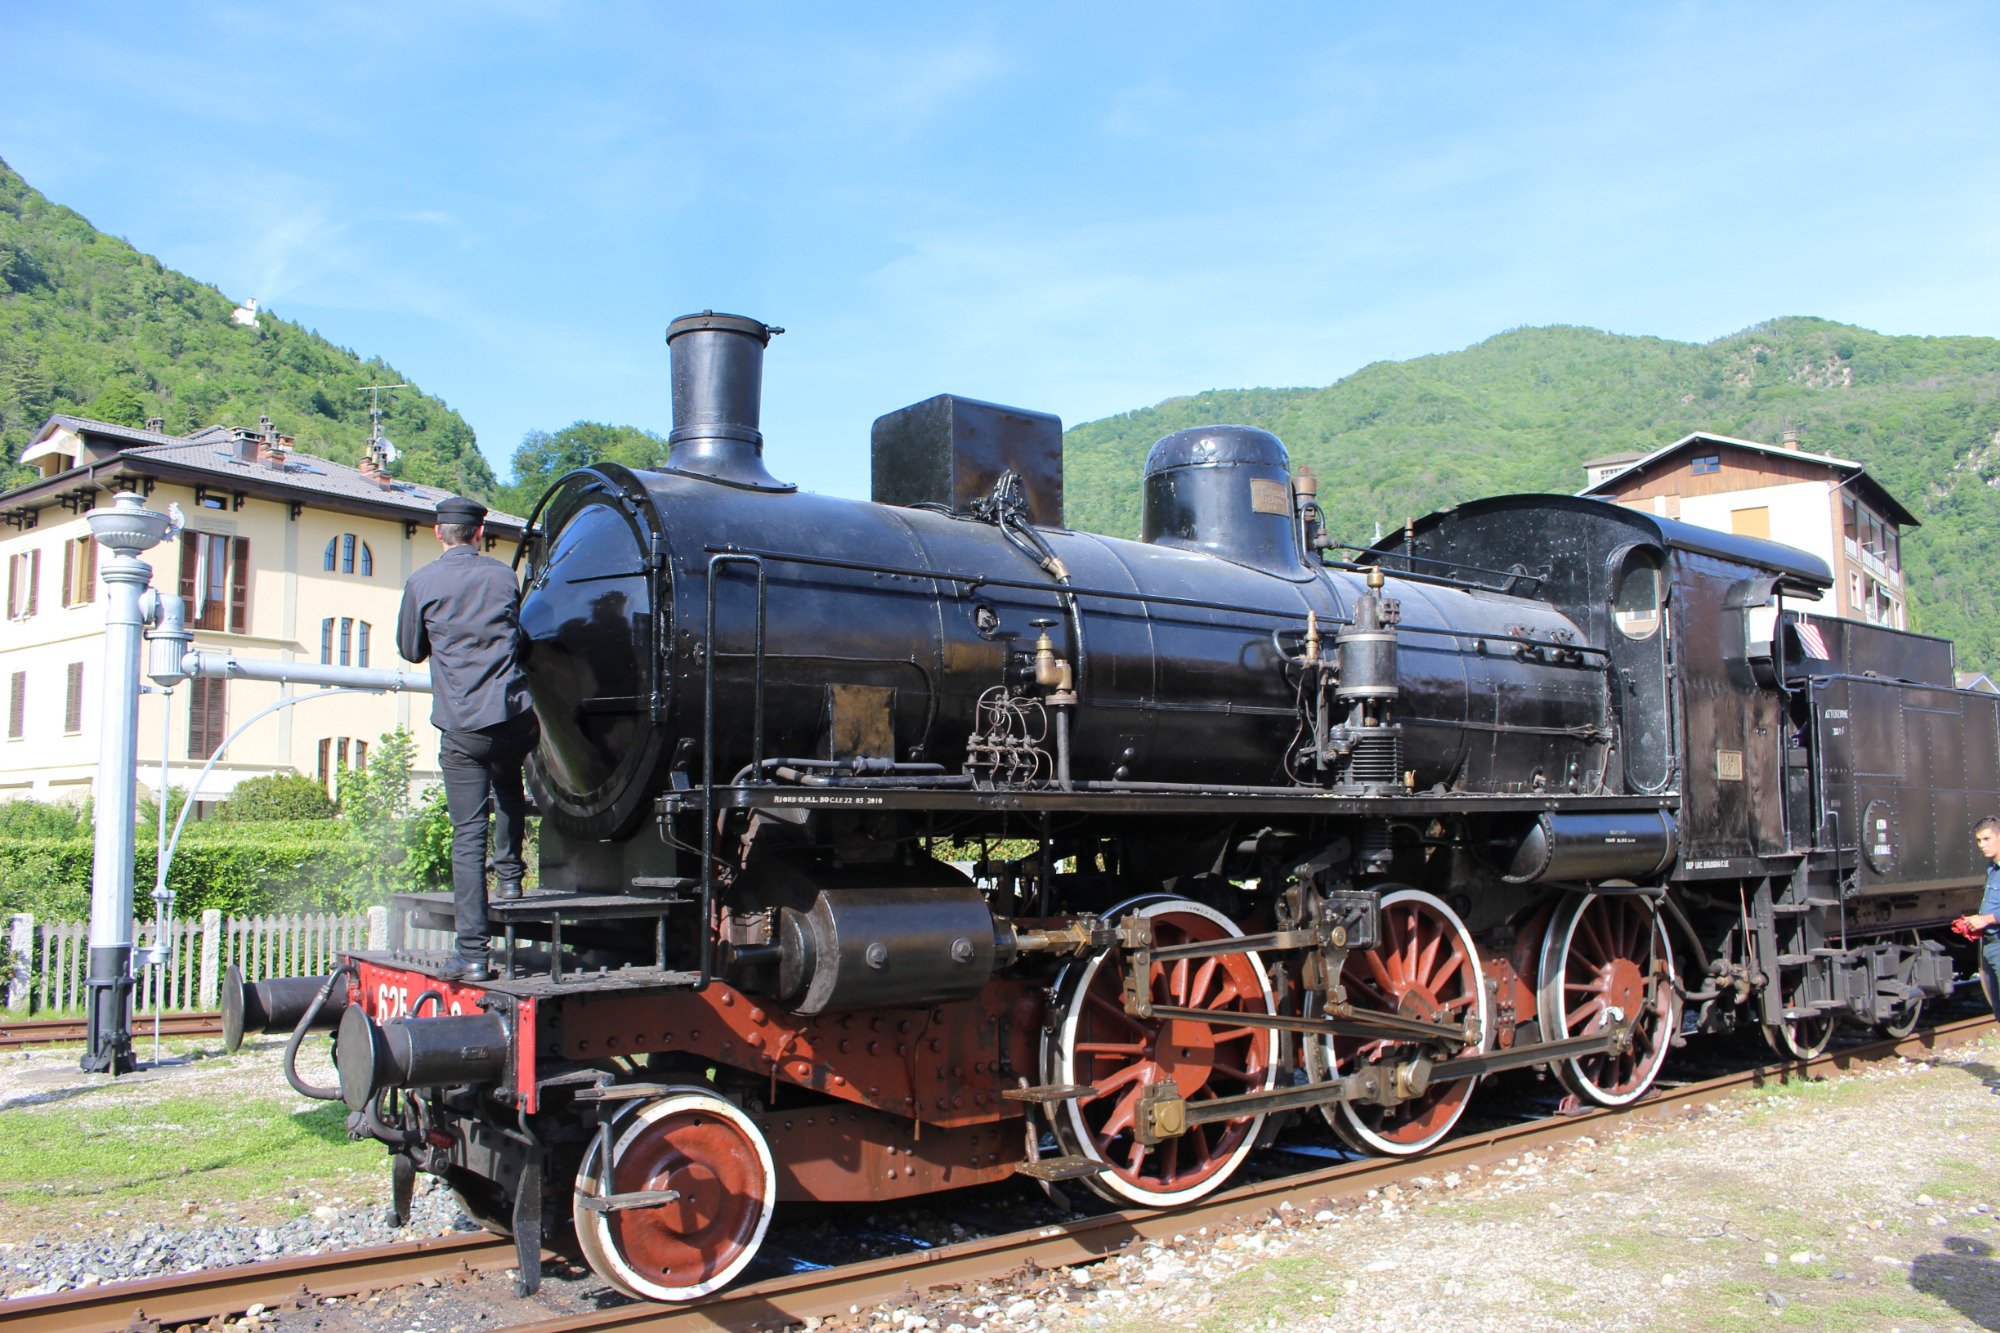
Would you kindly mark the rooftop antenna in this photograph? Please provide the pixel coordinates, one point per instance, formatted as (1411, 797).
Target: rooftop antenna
(381, 450)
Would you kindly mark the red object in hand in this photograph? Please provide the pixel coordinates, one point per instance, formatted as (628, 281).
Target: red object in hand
(1963, 926)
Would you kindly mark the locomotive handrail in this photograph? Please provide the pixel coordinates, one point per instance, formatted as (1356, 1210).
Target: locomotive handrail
(1150, 599)
(716, 562)
(1510, 575)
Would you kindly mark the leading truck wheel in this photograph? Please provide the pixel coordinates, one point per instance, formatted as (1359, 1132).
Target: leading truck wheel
(709, 1154)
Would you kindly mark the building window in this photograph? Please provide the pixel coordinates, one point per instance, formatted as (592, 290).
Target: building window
(79, 572)
(350, 641)
(347, 552)
(215, 581)
(1850, 526)
(335, 754)
(1706, 463)
(73, 701)
(208, 716)
(24, 578)
(17, 706)
(1751, 522)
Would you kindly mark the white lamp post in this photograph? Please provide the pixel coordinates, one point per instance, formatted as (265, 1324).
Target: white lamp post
(125, 529)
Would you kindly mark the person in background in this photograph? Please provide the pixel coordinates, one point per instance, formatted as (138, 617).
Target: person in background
(1983, 926)
(462, 613)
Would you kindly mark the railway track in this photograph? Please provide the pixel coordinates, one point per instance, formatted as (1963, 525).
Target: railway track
(796, 1297)
(195, 1297)
(16, 1033)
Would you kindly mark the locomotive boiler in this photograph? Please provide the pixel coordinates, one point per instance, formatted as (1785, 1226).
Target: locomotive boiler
(902, 845)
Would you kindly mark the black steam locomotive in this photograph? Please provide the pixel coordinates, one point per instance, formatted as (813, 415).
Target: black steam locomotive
(886, 844)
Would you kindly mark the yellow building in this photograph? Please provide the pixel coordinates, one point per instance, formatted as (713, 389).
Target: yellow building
(282, 555)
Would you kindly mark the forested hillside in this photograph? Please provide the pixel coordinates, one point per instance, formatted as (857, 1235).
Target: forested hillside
(1523, 410)
(90, 325)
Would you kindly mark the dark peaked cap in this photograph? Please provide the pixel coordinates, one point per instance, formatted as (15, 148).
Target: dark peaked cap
(458, 509)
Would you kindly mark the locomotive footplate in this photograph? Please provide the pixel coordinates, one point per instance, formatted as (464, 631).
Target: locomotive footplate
(1141, 799)
(543, 916)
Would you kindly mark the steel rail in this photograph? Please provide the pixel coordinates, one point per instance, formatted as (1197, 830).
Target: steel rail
(194, 1298)
(798, 1297)
(16, 1033)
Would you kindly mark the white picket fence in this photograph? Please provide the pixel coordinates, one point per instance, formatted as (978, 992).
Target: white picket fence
(49, 961)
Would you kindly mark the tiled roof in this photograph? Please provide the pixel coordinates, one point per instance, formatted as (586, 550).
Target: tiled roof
(130, 434)
(213, 451)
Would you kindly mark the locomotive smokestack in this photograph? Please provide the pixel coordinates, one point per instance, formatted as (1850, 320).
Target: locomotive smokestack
(718, 388)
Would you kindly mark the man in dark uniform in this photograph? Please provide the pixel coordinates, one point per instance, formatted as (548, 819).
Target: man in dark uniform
(462, 611)
(1983, 926)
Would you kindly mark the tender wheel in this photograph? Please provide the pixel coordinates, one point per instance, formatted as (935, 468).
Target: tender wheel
(1426, 965)
(701, 1145)
(1095, 1043)
(1904, 1018)
(1601, 966)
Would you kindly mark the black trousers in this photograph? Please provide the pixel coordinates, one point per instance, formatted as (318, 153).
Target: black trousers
(482, 773)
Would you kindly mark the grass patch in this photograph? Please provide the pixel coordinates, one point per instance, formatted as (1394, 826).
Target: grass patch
(62, 1161)
(1742, 1304)
(1282, 1289)
(1961, 1181)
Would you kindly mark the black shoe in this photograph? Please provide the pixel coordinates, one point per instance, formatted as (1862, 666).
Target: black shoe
(510, 890)
(476, 971)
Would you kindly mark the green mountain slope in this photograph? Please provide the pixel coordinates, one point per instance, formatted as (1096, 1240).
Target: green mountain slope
(90, 325)
(1523, 410)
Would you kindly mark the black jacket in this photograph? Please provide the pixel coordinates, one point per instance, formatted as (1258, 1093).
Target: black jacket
(462, 611)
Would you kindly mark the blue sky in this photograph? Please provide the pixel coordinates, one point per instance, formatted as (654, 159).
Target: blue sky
(1078, 208)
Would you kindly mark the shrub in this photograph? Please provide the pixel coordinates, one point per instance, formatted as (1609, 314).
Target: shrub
(277, 796)
(22, 818)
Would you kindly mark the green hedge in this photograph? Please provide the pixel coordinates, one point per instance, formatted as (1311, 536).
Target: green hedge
(235, 868)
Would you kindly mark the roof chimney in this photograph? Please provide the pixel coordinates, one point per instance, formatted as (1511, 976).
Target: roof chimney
(1791, 438)
(157, 425)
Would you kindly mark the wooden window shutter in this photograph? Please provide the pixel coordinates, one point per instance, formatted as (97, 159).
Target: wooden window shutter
(239, 585)
(13, 587)
(69, 573)
(17, 706)
(73, 705)
(208, 716)
(87, 591)
(34, 580)
(325, 761)
(190, 567)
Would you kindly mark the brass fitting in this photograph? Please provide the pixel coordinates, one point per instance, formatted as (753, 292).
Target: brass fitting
(1051, 672)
